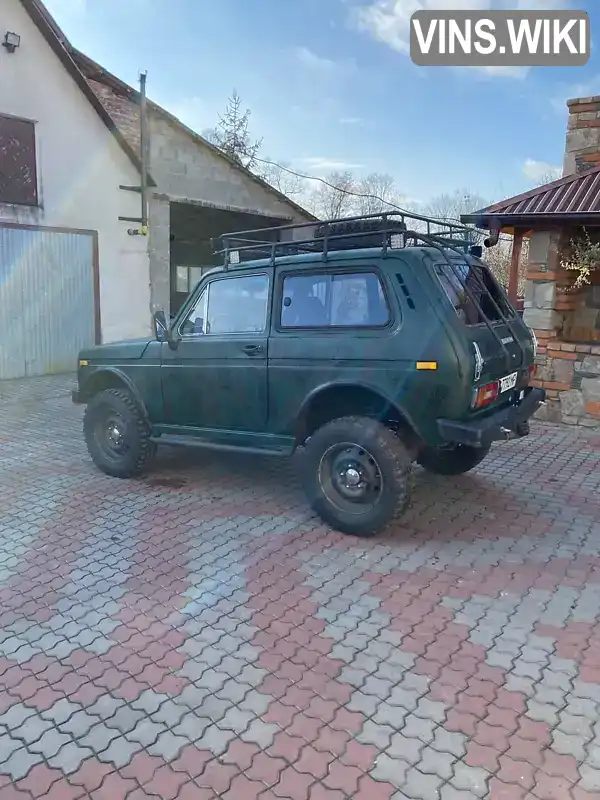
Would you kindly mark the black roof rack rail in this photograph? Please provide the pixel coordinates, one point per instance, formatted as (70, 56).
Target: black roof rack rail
(385, 230)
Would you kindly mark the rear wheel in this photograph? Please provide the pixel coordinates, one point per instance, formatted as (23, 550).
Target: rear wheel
(117, 434)
(454, 460)
(357, 475)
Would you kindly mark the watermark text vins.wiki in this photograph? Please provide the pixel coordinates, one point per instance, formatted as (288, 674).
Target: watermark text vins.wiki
(500, 38)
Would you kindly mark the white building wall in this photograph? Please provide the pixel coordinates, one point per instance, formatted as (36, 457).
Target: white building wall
(80, 167)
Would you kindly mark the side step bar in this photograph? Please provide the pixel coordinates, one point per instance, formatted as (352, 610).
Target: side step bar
(205, 444)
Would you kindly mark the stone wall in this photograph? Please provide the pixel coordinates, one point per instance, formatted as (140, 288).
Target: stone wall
(582, 147)
(569, 372)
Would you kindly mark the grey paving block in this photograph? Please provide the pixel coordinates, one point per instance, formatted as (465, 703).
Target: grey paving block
(17, 715)
(168, 746)
(472, 779)
(49, 744)
(415, 727)
(590, 778)
(20, 762)
(402, 747)
(260, 733)
(435, 763)
(119, 752)
(32, 729)
(378, 735)
(569, 745)
(420, 786)
(146, 732)
(450, 742)
(392, 716)
(70, 757)
(390, 770)
(217, 740)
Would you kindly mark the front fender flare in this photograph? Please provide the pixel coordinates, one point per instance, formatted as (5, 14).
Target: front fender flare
(87, 390)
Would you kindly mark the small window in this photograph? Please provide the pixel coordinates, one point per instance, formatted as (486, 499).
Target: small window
(187, 278)
(230, 305)
(18, 176)
(350, 300)
(490, 303)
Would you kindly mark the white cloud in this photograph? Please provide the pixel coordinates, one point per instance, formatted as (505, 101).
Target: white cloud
(540, 171)
(320, 64)
(351, 121)
(572, 90)
(320, 164)
(388, 21)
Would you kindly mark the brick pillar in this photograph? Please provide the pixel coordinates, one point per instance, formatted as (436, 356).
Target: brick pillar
(582, 148)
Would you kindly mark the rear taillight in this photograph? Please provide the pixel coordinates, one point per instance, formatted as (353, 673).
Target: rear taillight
(532, 372)
(486, 395)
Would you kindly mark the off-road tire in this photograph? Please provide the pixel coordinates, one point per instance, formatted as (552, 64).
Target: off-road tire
(393, 461)
(140, 449)
(456, 461)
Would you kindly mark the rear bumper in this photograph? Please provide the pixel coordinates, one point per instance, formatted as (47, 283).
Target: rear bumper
(508, 423)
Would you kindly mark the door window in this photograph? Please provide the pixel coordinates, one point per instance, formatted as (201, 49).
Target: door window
(229, 305)
(353, 300)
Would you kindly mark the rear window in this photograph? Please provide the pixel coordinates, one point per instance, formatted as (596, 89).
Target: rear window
(473, 292)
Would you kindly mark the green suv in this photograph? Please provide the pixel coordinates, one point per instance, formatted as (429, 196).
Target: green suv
(361, 346)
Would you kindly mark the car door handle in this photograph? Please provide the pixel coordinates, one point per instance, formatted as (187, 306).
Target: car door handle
(253, 349)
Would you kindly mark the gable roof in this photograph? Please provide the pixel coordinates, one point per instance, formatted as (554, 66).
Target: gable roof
(57, 40)
(572, 198)
(98, 76)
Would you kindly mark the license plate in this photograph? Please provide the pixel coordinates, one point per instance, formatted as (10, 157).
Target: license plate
(509, 382)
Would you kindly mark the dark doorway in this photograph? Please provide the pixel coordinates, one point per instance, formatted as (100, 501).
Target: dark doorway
(192, 228)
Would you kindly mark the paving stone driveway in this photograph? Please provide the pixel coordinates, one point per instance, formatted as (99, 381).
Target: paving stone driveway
(198, 634)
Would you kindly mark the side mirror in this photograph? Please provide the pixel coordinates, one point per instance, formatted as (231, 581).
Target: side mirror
(161, 326)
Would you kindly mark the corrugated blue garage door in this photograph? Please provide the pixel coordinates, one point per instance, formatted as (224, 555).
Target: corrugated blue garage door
(47, 309)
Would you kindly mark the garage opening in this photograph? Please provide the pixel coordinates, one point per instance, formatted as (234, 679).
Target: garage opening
(192, 228)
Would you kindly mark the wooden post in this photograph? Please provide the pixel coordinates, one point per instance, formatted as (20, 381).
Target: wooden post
(515, 258)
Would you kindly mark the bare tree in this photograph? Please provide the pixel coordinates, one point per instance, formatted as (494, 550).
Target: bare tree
(278, 176)
(334, 199)
(379, 194)
(232, 135)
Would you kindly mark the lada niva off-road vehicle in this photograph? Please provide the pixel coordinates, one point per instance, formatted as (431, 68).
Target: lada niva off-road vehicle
(361, 345)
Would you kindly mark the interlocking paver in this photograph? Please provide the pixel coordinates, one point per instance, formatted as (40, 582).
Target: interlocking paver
(200, 624)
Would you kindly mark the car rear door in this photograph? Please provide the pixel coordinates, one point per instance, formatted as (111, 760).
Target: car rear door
(501, 345)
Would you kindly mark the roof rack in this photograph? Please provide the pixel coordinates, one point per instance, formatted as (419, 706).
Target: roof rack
(386, 230)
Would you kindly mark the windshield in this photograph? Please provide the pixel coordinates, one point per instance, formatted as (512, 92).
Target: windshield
(473, 292)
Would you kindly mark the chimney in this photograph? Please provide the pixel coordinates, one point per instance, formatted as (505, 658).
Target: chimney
(582, 150)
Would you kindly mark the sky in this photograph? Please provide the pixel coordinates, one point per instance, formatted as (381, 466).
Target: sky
(330, 85)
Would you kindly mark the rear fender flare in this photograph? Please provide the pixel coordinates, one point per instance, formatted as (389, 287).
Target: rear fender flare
(302, 416)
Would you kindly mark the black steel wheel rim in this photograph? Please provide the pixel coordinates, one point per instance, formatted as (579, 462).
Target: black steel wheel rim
(350, 478)
(110, 433)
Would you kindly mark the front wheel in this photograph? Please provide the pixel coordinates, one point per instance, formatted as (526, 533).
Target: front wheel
(357, 475)
(454, 460)
(117, 434)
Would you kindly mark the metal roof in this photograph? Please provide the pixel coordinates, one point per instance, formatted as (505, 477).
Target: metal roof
(572, 198)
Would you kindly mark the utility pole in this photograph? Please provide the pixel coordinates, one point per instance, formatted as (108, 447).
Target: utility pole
(144, 152)
(144, 159)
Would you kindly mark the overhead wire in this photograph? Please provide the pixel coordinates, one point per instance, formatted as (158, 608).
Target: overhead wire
(361, 195)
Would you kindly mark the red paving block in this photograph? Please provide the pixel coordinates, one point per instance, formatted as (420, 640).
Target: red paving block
(266, 768)
(481, 756)
(293, 785)
(516, 772)
(343, 777)
(166, 783)
(39, 780)
(91, 774)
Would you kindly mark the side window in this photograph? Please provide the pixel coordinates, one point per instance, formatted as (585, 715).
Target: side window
(349, 300)
(230, 305)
